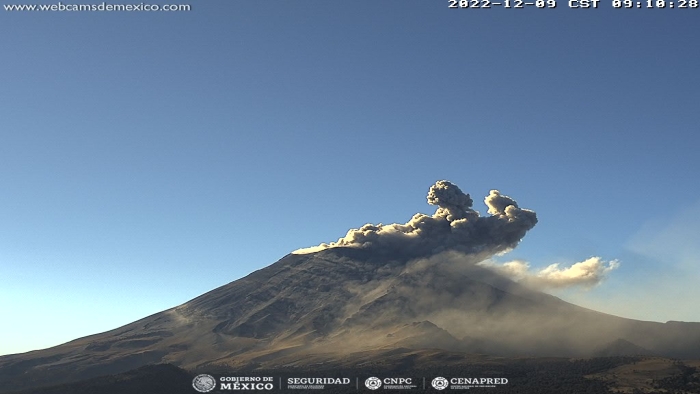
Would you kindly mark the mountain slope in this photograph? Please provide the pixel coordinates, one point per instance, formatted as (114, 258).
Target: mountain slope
(348, 300)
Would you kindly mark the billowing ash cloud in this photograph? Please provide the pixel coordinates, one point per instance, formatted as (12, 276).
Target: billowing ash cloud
(587, 273)
(453, 226)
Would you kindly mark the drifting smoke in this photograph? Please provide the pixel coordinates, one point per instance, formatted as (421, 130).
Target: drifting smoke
(454, 226)
(587, 273)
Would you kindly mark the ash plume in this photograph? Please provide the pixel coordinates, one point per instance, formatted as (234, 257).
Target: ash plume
(587, 273)
(454, 226)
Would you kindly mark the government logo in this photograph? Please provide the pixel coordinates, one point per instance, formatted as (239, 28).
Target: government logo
(204, 383)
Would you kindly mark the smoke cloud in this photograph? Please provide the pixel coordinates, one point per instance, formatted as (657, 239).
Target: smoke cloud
(587, 273)
(454, 226)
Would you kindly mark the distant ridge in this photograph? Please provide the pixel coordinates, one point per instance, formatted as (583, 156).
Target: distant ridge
(621, 347)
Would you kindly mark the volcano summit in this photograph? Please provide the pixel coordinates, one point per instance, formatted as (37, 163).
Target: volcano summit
(420, 285)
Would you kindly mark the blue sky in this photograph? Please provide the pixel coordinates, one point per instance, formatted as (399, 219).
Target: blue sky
(147, 158)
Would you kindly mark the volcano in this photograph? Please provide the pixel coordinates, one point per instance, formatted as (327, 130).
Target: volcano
(351, 299)
(338, 302)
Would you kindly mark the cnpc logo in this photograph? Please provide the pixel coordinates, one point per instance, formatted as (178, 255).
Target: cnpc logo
(374, 382)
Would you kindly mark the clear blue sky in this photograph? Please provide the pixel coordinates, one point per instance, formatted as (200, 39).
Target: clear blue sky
(147, 158)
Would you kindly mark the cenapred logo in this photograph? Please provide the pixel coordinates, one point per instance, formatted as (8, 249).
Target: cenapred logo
(373, 383)
(204, 383)
(440, 383)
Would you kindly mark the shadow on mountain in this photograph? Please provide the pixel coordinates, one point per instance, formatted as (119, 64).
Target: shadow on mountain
(151, 379)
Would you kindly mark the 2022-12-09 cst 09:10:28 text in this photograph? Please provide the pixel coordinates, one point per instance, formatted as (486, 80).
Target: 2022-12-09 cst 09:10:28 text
(574, 4)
